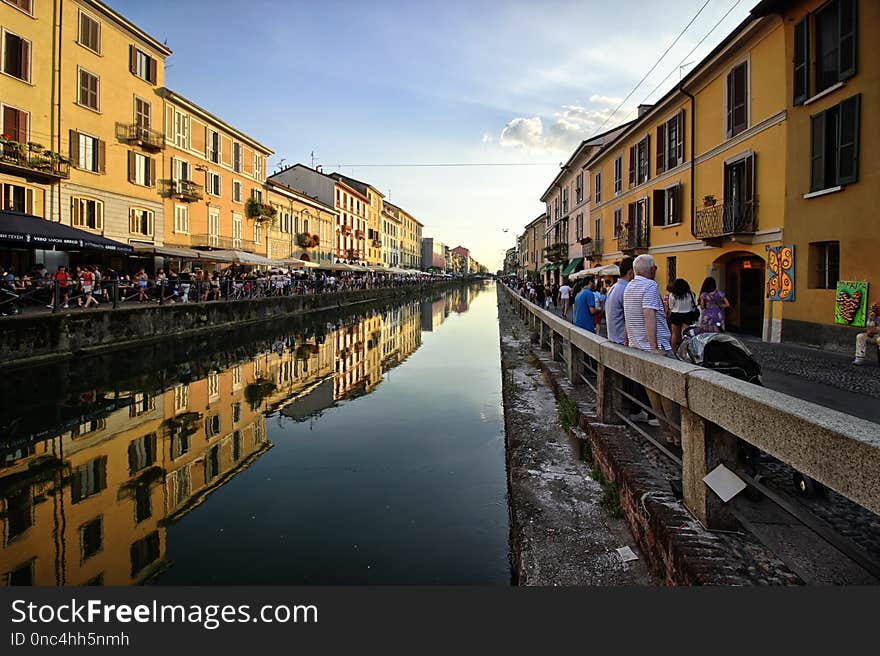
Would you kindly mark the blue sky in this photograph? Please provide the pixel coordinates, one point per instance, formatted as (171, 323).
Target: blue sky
(430, 82)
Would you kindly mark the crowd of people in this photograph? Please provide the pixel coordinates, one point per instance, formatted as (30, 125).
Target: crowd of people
(92, 286)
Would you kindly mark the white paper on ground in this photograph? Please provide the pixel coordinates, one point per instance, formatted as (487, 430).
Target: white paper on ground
(626, 554)
(724, 483)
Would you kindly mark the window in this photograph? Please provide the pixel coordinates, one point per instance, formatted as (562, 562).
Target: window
(597, 233)
(618, 174)
(212, 463)
(142, 113)
(89, 32)
(143, 505)
(89, 427)
(140, 222)
(181, 130)
(89, 88)
(179, 443)
(824, 260)
(212, 143)
(27, 6)
(181, 169)
(257, 195)
(17, 198)
(670, 143)
(258, 232)
(579, 226)
(735, 95)
(638, 162)
(835, 40)
(141, 64)
(597, 191)
(181, 218)
(212, 183)
(236, 230)
(556, 207)
(16, 56)
(141, 453)
(212, 426)
(579, 188)
(141, 404)
(91, 538)
(213, 386)
(236, 446)
(236, 413)
(87, 152)
(213, 227)
(565, 201)
(236, 157)
(236, 191)
(667, 206)
(19, 512)
(21, 575)
(141, 169)
(834, 145)
(258, 166)
(88, 479)
(671, 270)
(144, 552)
(16, 124)
(181, 398)
(618, 222)
(86, 213)
(181, 485)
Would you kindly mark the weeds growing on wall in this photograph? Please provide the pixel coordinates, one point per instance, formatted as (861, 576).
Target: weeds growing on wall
(568, 412)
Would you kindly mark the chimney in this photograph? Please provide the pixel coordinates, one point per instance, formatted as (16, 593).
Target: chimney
(643, 109)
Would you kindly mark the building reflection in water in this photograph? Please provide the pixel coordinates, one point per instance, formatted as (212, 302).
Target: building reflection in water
(85, 498)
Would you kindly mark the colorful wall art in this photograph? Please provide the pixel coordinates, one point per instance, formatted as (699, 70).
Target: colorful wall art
(780, 273)
(851, 303)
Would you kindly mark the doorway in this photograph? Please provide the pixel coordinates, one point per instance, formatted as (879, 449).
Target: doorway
(744, 278)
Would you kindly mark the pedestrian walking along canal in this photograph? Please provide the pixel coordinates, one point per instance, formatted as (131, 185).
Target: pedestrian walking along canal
(338, 448)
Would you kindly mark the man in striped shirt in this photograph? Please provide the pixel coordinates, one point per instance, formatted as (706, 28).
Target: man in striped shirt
(646, 328)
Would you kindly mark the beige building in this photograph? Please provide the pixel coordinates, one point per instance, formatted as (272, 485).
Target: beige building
(303, 228)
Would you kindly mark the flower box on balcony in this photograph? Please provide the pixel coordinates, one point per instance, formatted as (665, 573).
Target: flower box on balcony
(258, 211)
(305, 240)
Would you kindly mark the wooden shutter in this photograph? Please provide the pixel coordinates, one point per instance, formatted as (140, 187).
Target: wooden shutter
(132, 58)
(647, 160)
(15, 124)
(679, 142)
(848, 140)
(28, 201)
(74, 212)
(676, 204)
(661, 148)
(102, 156)
(25, 60)
(846, 20)
(74, 147)
(633, 152)
(817, 152)
(132, 167)
(659, 206)
(151, 172)
(751, 181)
(151, 74)
(729, 109)
(802, 60)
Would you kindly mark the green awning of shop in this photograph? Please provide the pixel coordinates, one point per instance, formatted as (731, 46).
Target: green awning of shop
(544, 267)
(572, 265)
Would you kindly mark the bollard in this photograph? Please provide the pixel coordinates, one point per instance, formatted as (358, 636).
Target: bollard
(608, 400)
(704, 447)
(575, 362)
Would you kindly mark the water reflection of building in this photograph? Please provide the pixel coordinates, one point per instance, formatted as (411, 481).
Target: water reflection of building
(90, 502)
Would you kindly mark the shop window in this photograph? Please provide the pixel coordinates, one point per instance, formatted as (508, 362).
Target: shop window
(824, 263)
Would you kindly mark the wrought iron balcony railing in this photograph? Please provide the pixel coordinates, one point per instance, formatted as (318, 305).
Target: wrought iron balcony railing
(592, 250)
(222, 243)
(725, 219)
(146, 138)
(186, 190)
(33, 164)
(633, 238)
(556, 252)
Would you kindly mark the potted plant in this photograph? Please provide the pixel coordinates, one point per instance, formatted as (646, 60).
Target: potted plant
(709, 200)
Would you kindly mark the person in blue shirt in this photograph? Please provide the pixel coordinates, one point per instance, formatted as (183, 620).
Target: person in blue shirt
(585, 307)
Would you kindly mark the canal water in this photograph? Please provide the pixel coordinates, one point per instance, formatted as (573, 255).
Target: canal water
(338, 449)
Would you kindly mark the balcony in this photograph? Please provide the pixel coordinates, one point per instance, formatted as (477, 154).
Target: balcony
(728, 220)
(32, 162)
(220, 243)
(146, 138)
(359, 234)
(377, 243)
(556, 252)
(186, 190)
(592, 250)
(633, 240)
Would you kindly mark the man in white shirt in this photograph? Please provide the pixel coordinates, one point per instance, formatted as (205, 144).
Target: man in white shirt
(565, 298)
(646, 329)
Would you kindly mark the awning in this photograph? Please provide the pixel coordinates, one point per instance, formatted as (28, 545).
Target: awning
(607, 270)
(572, 265)
(168, 251)
(19, 230)
(239, 257)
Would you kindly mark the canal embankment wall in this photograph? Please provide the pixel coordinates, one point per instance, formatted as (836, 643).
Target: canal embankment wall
(31, 340)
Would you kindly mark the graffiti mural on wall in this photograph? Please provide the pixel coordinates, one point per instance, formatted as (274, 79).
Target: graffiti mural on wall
(850, 306)
(780, 273)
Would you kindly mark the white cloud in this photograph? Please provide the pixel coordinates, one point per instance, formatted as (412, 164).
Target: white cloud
(605, 100)
(563, 131)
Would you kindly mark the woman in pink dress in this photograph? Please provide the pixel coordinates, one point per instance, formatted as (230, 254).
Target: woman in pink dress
(712, 303)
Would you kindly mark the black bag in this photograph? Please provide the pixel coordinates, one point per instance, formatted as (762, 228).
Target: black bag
(694, 315)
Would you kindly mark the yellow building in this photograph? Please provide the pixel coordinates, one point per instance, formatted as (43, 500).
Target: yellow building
(410, 241)
(392, 225)
(303, 227)
(832, 92)
(351, 223)
(654, 175)
(374, 226)
(80, 83)
(212, 178)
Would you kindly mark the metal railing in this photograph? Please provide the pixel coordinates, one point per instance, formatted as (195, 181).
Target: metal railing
(726, 219)
(186, 190)
(40, 164)
(146, 138)
(717, 411)
(633, 238)
(592, 250)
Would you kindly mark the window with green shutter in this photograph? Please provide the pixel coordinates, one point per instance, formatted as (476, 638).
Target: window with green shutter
(834, 145)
